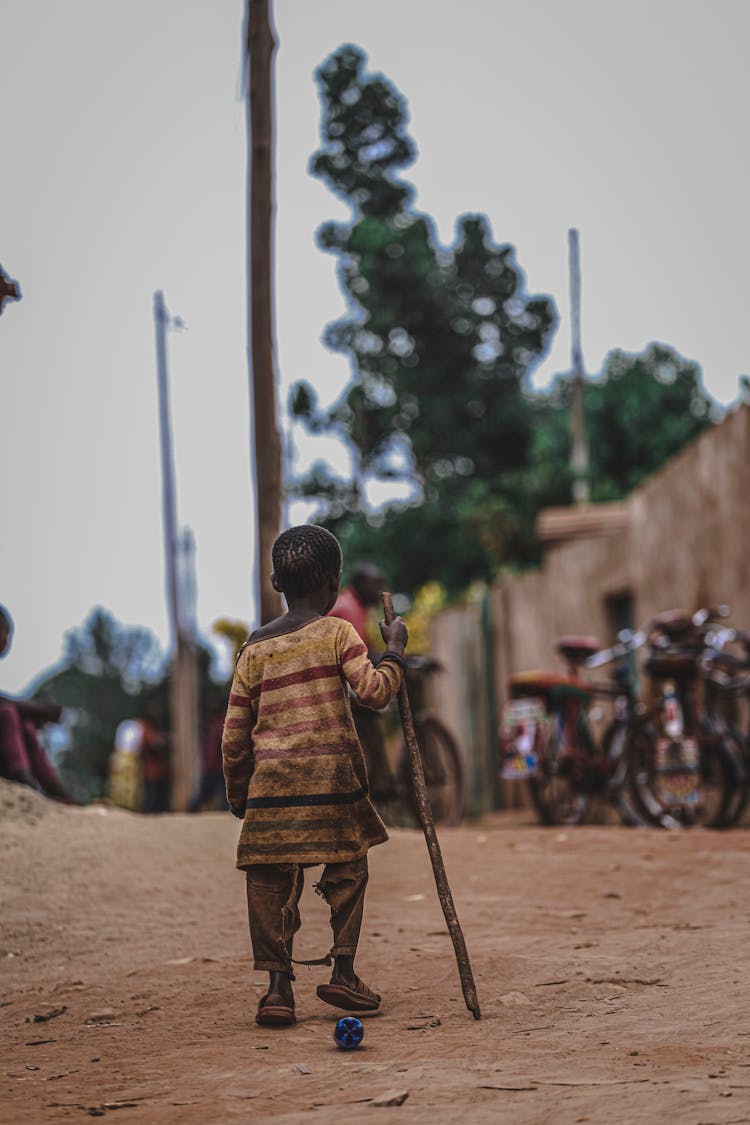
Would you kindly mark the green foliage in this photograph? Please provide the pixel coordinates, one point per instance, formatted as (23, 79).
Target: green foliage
(108, 672)
(441, 343)
(643, 409)
(111, 672)
(111, 652)
(364, 138)
(408, 541)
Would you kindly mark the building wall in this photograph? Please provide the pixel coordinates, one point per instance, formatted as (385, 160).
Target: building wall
(687, 544)
(461, 694)
(690, 532)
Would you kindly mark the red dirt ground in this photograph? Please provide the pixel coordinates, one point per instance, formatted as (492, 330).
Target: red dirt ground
(611, 966)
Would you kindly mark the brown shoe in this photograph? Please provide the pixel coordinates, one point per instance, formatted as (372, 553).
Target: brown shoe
(274, 1015)
(357, 999)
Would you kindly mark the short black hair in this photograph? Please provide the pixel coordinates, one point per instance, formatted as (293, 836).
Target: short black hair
(365, 572)
(304, 558)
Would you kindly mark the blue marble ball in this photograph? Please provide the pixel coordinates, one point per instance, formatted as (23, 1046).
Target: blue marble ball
(348, 1033)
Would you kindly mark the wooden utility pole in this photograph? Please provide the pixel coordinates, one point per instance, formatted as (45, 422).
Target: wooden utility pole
(580, 453)
(260, 46)
(183, 698)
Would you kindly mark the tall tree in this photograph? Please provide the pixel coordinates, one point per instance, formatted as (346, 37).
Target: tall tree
(260, 44)
(441, 341)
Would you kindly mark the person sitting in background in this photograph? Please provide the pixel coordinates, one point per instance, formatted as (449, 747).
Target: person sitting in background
(22, 757)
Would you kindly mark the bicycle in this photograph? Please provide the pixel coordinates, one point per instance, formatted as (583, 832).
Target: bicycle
(680, 766)
(547, 738)
(727, 679)
(391, 788)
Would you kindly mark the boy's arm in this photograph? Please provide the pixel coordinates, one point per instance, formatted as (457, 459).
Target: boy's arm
(374, 687)
(237, 743)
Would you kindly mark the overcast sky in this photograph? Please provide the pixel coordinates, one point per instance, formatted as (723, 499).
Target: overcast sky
(123, 171)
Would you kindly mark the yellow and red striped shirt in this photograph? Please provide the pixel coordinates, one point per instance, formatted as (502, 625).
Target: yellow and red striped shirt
(290, 749)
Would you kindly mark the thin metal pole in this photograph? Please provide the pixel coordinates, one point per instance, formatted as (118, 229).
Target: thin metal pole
(433, 845)
(169, 508)
(580, 453)
(185, 750)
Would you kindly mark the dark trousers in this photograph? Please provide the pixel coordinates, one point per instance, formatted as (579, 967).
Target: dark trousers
(156, 796)
(211, 791)
(273, 894)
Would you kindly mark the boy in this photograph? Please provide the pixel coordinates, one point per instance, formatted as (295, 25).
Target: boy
(295, 772)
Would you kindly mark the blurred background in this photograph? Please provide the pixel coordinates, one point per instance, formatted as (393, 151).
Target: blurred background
(428, 170)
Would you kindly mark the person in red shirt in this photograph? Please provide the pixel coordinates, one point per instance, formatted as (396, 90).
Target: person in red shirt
(357, 599)
(354, 604)
(211, 792)
(22, 755)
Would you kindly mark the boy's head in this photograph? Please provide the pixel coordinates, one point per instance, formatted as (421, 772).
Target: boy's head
(306, 559)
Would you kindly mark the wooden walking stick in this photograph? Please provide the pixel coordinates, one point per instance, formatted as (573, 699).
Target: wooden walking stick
(428, 827)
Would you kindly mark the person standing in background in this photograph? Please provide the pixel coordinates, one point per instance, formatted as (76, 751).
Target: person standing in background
(354, 604)
(356, 601)
(155, 764)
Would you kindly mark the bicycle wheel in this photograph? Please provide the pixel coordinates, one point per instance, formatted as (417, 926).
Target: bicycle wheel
(443, 771)
(557, 788)
(670, 796)
(614, 745)
(733, 741)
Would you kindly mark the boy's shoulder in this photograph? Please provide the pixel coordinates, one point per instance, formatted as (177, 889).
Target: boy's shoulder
(323, 629)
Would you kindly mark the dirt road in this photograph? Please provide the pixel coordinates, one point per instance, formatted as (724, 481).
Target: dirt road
(611, 966)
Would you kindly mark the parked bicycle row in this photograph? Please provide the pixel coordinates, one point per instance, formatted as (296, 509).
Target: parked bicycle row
(671, 751)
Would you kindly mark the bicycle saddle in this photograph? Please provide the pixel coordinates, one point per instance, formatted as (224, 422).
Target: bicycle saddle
(577, 649)
(673, 623)
(727, 661)
(547, 684)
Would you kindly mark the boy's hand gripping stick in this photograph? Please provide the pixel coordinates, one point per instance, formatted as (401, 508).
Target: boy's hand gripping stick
(428, 827)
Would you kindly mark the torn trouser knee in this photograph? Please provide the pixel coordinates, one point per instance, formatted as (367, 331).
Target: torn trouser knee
(273, 894)
(343, 887)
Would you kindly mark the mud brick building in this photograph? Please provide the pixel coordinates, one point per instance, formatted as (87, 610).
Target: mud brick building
(681, 539)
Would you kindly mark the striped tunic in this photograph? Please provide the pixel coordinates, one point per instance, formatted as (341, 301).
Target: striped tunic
(290, 748)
